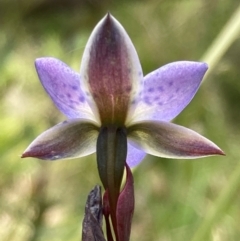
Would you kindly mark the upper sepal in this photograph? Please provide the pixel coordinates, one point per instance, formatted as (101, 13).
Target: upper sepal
(69, 139)
(168, 140)
(111, 71)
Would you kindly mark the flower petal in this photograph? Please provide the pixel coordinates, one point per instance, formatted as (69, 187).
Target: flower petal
(111, 71)
(69, 139)
(168, 140)
(169, 89)
(125, 207)
(134, 155)
(64, 87)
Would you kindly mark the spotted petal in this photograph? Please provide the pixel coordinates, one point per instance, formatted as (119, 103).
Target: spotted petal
(69, 139)
(134, 155)
(168, 140)
(169, 89)
(64, 87)
(111, 71)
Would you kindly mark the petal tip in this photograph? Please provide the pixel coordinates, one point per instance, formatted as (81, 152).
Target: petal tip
(108, 17)
(200, 67)
(38, 151)
(204, 66)
(207, 148)
(220, 152)
(40, 62)
(212, 149)
(25, 154)
(29, 153)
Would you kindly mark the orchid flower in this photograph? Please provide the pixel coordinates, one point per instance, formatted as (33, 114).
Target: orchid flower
(114, 110)
(111, 90)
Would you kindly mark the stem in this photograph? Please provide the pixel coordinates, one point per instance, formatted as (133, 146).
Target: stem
(229, 33)
(221, 204)
(111, 158)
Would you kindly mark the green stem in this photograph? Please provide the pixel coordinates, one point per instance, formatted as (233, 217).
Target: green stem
(111, 159)
(230, 32)
(218, 48)
(221, 204)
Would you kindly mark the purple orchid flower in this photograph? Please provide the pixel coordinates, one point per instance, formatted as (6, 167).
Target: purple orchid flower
(113, 110)
(111, 91)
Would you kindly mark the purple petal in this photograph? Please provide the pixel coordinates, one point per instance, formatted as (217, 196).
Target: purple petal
(168, 140)
(134, 155)
(64, 87)
(111, 71)
(169, 89)
(69, 139)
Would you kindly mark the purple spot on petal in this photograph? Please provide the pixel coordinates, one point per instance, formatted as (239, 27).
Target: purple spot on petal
(69, 95)
(156, 98)
(147, 101)
(74, 87)
(81, 99)
(160, 88)
(170, 83)
(160, 103)
(177, 90)
(150, 90)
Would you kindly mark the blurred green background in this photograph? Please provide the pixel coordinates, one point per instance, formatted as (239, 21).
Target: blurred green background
(175, 200)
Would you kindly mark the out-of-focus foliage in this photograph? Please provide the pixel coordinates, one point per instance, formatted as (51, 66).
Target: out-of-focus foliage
(45, 200)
